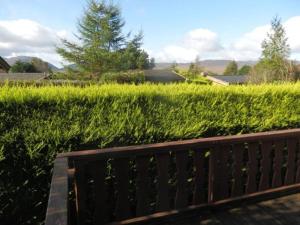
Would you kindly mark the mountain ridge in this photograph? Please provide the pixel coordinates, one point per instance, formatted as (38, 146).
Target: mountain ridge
(12, 60)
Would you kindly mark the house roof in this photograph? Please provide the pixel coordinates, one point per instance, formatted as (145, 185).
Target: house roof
(228, 79)
(4, 64)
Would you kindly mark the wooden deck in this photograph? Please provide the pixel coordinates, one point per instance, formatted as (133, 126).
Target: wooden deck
(281, 211)
(244, 179)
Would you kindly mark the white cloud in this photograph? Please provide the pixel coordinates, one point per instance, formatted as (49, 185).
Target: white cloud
(29, 38)
(207, 45)
(196, 42)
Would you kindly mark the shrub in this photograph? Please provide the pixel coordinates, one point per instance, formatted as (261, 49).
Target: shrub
(136, 77)
(37, 123)
(133, 76)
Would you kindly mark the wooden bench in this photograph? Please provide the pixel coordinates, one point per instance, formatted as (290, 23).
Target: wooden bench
(168, 182)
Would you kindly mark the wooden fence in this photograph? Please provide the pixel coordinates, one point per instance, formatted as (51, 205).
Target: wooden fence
(158, 183)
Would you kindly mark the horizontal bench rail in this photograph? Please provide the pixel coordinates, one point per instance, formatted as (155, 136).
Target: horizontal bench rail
(139, 184)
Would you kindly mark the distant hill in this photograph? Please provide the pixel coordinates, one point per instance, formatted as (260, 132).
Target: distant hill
(215, 66)
(11, 61)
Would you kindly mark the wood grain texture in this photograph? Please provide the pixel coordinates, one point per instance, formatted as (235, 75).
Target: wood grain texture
(298, 162)
(291, 162)
(80, 192)
(142, 186)
(237, 184)
(224, 172)
(181, 198)
(98, 173)
(122, 210)
(179, 145)
(265, 176)
(252, 168)
(199, 182)
(277, 163)
(265, 166)
(57, 210)
(163, 202)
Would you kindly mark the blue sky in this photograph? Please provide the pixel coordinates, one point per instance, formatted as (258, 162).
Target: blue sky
(170, 27)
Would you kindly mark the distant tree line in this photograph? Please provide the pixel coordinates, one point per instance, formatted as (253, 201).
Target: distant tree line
(36, 65)
(274, 64)
(102, 47)
(232, 69)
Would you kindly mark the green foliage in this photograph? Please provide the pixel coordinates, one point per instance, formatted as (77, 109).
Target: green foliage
(244, 70)
(231, 69)
(103, 47)
(276, 45)
(37, 123)
(23, 67)
(136, 77)
(40, 65)
(274, 64)
(193, 77)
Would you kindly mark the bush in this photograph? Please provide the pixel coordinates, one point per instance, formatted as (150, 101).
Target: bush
(194, 77)
(37, 123)
(136, 77)
(133, 76)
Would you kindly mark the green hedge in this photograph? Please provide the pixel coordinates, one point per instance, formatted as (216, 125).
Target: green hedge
(36, 123)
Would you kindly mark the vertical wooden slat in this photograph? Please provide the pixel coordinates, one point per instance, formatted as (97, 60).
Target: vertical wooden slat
(181, 199)
(218, 173)
(163, 203)
(57, 210)
(98, 173)
(199, 194)
(237, 184)
(224, 172)
(298, 163)
(277, 164)
(142, 185)
(80, 192)
(265, 167)
(122, 210)
(291, 160)
(213, 175)
(252, 168)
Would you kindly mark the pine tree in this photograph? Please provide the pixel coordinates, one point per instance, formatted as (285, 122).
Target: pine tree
(100, 37)
(274, 64)
(276, 46)
(231, 69)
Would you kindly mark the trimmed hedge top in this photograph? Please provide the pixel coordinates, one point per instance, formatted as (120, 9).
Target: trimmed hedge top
(38, 122)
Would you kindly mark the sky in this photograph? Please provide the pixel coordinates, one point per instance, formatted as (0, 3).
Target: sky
(174, 30)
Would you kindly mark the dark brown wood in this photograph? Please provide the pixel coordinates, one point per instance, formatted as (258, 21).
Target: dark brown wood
(57, 210)
(179, 145)
(237, 183)
(291, 162)
(277, 163)
(80, 192)
(212, 175)
(252, 168)
(90, 172)
(122, 210)
(298, 163)
(142, 184)
(224, 172)
(265, 167)
(199, 191)
(218, 176)
(166, 217)
(181, 198)
(98, 172)
(163, 203)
